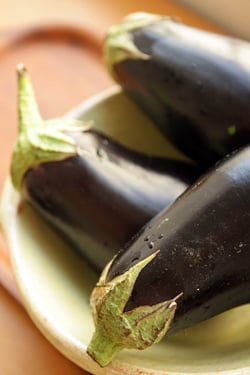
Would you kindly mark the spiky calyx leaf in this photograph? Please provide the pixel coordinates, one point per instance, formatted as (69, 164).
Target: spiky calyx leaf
(116, 329)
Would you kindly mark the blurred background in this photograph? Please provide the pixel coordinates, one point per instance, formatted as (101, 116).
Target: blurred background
(231, 15)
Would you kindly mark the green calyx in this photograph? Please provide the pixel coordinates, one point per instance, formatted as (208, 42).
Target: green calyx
(38, 141)
(115, 329)
(119, 44)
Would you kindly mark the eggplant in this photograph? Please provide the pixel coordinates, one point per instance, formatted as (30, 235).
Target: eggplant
(193, 83)
(96, 192)
(188, 264)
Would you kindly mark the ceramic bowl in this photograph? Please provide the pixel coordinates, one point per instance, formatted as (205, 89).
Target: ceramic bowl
(55, 283)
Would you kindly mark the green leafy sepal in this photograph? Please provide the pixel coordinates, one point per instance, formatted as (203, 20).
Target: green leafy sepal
(116, 329)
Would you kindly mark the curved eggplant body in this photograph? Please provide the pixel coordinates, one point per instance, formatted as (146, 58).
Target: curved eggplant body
(95, 191)
(101, 197)
(204, 243)
(194, 84)
(193, 259)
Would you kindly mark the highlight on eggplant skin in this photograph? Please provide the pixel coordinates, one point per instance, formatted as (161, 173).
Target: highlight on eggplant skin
(93, 190)
(202, 261)
(193, 83)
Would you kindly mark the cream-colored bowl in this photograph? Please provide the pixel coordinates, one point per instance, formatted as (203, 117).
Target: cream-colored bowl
(55, 283)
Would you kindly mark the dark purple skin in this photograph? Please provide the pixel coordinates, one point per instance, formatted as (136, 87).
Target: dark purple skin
(101, 198)
(204, 243)
(197, 96)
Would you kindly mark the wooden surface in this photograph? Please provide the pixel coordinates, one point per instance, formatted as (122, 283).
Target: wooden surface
(60, 43)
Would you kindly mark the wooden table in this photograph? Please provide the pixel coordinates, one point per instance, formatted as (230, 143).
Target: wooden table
(60, 42)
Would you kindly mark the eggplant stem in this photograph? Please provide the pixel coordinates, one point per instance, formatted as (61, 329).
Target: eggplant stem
(28, 112)
(102, 349)
(39, 141)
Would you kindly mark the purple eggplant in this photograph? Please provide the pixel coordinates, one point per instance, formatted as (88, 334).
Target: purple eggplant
(189, 263)
(96, 192)
(193, 83)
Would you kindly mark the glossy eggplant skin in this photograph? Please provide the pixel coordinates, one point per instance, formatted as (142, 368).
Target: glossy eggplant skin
(203, 240)
(194, 84)
(99, 198)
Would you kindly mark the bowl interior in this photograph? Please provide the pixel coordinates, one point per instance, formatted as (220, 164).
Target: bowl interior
(55, 283)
